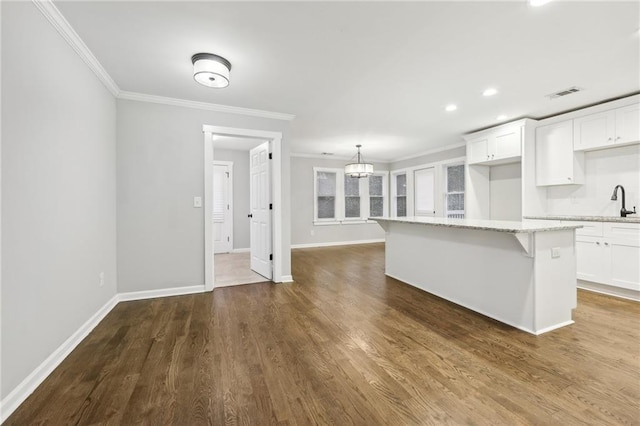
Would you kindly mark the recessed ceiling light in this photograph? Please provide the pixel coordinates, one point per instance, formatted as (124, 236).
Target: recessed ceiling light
(489, 92)
(536, 3)
(501, 117)
(451, 107)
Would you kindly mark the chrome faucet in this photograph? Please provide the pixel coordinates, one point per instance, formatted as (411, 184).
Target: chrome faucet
(623, 211)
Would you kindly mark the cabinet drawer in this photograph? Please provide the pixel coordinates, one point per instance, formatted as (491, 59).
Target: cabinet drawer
(622, 231)
(590, 229)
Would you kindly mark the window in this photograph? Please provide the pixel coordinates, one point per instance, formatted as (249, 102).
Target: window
(342, 199)
(352, 197)
(326, 194)
(376, 196)
(454, 191)
(424, 192)
(400, 195)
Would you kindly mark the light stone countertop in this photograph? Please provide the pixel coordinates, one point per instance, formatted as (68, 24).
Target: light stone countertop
(483, 225)
(633, 219)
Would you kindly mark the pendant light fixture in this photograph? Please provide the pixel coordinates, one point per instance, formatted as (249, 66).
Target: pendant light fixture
(359, 169)
(211, 70)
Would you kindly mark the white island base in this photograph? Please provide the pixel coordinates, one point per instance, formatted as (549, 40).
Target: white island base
(520, 273)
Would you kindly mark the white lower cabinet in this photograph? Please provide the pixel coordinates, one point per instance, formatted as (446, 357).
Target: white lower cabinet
(609, 253)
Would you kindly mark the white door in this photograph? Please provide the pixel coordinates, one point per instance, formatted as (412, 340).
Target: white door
(260, 216)
(424, 191)
(222, 219)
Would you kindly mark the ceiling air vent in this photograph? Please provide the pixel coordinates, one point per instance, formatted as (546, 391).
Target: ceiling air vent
(565, 92)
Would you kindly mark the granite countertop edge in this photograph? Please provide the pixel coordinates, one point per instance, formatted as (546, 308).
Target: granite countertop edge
(482, 227)
(587, 218)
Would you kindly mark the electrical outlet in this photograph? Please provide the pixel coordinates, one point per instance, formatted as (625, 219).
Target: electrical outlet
(555, 252)
(197, 202)
(313, 232)
(101, 279)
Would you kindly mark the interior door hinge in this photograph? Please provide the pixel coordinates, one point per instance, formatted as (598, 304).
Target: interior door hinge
(228, 239)
(270, 206)
(270, 156)
(270, 257)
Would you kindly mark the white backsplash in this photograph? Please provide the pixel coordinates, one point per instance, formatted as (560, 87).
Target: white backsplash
(604, 170)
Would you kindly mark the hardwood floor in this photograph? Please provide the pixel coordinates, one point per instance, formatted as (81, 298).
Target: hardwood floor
(342, 345)
(235, 269)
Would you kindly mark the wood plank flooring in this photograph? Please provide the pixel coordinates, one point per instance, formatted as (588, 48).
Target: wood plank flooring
(342, 345)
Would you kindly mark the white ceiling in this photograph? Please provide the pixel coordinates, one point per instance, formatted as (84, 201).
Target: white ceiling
(375, 73)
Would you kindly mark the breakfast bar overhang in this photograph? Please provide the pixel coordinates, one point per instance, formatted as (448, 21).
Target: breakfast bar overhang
(519, 273)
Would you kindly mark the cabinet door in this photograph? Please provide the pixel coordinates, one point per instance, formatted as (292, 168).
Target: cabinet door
(554, 154)
(477, 150)
(593, 131)
(589, 259)
(506, 143)
(627, 124)
(625, 269)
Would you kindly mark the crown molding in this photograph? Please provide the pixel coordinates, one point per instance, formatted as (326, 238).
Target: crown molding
(53, 15)
(333, 157)
(142, 97)
(431, 151)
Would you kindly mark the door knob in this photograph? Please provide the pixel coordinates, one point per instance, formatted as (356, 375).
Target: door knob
(249, 215)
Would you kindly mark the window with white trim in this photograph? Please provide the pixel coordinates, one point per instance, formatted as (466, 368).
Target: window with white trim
(454, 191)
(326, 194)
(400, 195)
(342, 199)
(424, 191)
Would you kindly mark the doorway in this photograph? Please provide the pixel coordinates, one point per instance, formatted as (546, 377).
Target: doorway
(256, 222)
(222, 207)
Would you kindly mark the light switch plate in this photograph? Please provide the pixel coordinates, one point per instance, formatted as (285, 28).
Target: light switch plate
(555, 252)
(197, 201)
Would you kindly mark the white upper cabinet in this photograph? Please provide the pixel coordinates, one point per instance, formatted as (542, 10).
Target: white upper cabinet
(627, 125)
(499, 145)
(602, 130)
(556, 162)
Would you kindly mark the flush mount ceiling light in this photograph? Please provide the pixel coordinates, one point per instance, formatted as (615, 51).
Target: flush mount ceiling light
(359, 169)
(489, 92)
(537, 3)
(501, 117)
(451, 107)
(211, 70)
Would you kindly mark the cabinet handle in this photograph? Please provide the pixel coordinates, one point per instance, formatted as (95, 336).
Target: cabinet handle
(606, 244)
(487, 156)
(610, 139)
(492, 155)
(598, 243)
(568, 178)
(617, 137)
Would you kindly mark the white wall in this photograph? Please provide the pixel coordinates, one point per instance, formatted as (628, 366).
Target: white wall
(302, 185)
(433, 157)
(160, 169)
(505, 186)
(241, 180)
(604, 170)
(58, 192)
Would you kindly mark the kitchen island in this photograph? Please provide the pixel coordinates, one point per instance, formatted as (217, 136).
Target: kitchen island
(519, 273)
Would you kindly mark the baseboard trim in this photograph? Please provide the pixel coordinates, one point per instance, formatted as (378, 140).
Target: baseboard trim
(241, 250)
(337, 243)
(287, 279)
(21, 392)
(165, 292)
(622, 293)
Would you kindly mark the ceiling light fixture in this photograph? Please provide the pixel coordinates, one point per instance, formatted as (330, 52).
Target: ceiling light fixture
(536, 3)
(211, 70)
(489, 92)
(451, 107)
(359, 169)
